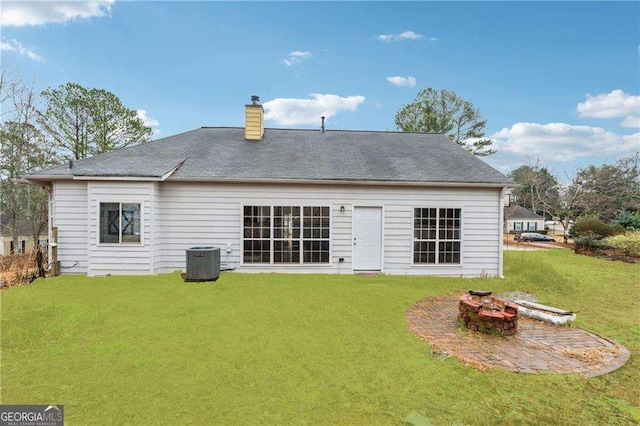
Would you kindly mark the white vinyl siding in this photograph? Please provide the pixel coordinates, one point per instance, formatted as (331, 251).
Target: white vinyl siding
(130, 259)
(155, 236)
(177, 216)
(194, 214)
(70, 216)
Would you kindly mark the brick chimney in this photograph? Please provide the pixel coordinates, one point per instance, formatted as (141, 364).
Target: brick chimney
(254, 120)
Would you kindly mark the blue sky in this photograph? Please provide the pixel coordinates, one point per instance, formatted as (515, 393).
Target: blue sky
(556, 81)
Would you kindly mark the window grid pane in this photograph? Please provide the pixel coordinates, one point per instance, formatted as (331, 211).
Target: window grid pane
(286, 251)
(315, 251)
(316, 234)
(257, 251)
(286, 232)
(424, 252)
(130, 222)
(110, 223)
(257, 232)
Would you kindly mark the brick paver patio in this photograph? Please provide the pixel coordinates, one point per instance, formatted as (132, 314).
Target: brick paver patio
(537, 346)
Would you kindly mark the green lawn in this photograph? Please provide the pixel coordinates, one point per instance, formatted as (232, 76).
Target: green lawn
(316, 349)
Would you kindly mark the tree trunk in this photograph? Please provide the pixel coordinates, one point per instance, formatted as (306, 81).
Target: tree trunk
(14, 233)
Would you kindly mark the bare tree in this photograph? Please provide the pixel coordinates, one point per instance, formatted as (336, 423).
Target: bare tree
(23, 149)
(611, 189)
(539, 188)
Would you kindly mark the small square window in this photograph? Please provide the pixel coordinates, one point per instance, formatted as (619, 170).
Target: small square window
(120, 223)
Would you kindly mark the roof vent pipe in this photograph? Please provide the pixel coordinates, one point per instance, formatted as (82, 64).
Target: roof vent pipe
(322, 128)
(70, 164)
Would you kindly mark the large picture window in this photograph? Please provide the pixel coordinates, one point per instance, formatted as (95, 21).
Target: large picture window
(119, 223)
(285, 234)
(436, 236)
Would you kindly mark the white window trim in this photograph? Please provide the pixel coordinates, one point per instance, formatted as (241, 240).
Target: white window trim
(271, 263)
(413, 239)
(120, 244)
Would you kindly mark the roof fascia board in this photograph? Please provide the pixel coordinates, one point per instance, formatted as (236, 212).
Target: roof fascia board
(89, 177)
(120, 178)
(343, 182)
(169, 178)
(25, 181)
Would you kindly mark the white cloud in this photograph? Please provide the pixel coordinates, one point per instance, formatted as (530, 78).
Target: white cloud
(291, 111)
(28, 13)
(402, 81)
(560, 142)
(609, 105)
(148, 121)
(631, 121)
(295, 57)
(14, 45)
(616, 104)
(407, 35)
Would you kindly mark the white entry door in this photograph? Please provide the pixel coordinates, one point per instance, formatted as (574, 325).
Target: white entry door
(367, 239)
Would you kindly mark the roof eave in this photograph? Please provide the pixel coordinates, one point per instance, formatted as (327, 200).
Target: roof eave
(37, 180)
(340, 182)
(47, 178)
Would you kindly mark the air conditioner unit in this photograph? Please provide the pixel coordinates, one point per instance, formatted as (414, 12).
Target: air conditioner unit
(203, 264)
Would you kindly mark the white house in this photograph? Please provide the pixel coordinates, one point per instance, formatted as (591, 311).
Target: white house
(519, 219)
(281, 200)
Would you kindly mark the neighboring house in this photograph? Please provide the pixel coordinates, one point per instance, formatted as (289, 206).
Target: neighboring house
(519, 219)
(25, 237)
(281, 200)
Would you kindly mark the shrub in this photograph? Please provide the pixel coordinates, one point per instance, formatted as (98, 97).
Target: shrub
(588, 244)
(16, 269)
(628, 220)
(628, 243)
(592, 228)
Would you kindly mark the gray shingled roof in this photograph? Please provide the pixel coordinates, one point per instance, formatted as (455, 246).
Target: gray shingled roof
(336, 155)
(23, 225)
(518, 212)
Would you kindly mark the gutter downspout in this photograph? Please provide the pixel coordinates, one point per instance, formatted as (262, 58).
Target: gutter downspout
(49, 190)
(501, 241)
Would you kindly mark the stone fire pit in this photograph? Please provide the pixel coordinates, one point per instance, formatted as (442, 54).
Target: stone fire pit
(488, 314)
